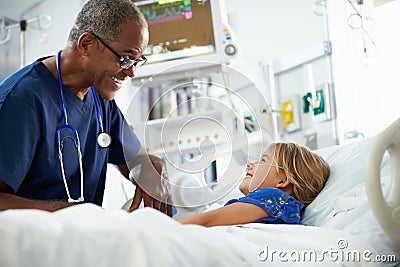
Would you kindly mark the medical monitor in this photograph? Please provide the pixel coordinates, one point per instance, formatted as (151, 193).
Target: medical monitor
(184, 31)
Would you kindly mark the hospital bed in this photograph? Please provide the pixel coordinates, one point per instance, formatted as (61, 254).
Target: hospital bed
(354, 221)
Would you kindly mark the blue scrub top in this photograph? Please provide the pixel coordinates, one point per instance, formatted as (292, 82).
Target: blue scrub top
(30, 112)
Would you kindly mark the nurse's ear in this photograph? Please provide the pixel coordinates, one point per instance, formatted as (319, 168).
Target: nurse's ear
(85, 43)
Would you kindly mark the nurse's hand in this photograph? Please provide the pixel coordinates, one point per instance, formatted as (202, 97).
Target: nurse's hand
(152, 186)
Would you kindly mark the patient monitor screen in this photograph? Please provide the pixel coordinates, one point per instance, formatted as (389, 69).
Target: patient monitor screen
(178, 29)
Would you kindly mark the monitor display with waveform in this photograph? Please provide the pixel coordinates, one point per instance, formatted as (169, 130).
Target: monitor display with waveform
(178, 29)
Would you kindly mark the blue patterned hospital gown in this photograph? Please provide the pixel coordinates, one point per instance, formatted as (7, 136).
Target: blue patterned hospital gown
(280, 207)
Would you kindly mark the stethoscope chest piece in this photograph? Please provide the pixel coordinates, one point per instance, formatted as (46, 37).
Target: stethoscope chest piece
(104, 140)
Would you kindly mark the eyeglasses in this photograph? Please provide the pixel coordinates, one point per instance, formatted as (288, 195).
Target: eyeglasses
(125, 63)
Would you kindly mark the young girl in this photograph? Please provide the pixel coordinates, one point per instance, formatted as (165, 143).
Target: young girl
(276, 187)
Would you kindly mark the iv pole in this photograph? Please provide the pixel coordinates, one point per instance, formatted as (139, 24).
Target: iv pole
(23, 24)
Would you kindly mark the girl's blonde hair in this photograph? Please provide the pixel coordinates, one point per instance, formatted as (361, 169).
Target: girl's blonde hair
(306, 170)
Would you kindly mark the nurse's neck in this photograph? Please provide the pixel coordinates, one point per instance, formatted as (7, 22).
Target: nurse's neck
(72, 74)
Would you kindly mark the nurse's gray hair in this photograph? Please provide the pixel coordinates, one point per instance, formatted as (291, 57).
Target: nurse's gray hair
(105, 18)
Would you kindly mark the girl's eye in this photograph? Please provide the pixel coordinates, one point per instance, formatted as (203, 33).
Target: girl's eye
(263, 160)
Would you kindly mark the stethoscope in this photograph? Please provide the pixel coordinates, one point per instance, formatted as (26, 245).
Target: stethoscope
(103, 138)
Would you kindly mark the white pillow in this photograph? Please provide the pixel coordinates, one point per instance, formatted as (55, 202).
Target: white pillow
(347, 164)
(343, 203)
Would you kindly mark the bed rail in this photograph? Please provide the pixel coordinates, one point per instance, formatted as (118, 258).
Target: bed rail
(386, 211)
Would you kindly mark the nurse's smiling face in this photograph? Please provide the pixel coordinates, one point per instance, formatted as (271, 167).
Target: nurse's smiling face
(107, 75)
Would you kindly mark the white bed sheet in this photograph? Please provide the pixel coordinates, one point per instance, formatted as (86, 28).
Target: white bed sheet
(87, 235)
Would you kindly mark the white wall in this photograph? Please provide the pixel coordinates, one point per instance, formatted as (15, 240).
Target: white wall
(267, 30)
(63, 14)
(367, 94)
(9, 54)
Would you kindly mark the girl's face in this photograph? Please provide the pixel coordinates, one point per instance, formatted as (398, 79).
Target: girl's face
(262, 173)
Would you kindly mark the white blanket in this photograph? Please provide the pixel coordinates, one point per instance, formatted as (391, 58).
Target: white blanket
(86, 235)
